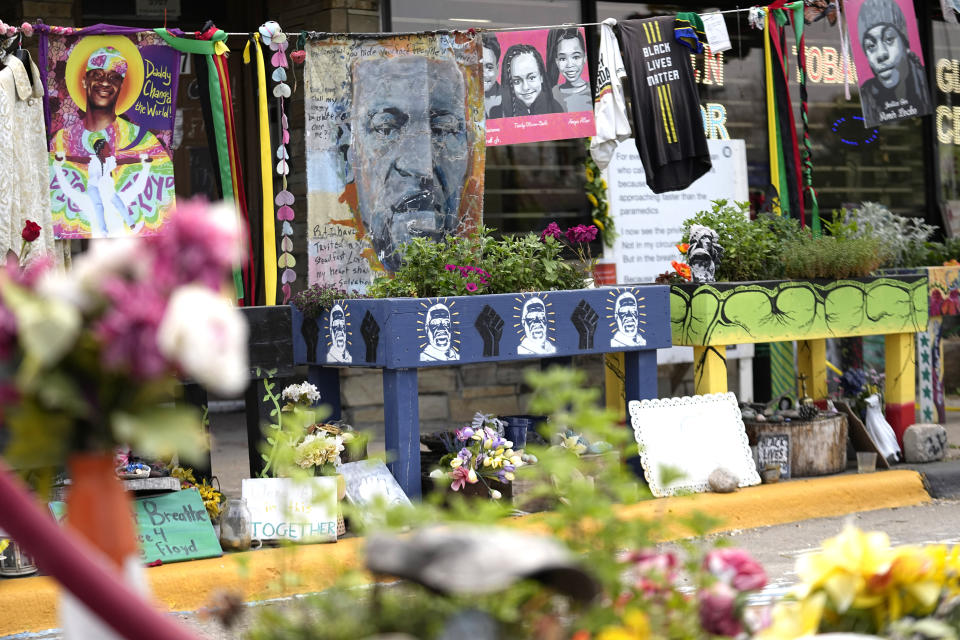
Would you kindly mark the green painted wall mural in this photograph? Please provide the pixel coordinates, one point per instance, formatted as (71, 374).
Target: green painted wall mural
(735, 313)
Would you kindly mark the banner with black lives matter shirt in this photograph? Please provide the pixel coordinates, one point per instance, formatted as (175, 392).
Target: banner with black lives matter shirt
(889, 60)
(111, 96)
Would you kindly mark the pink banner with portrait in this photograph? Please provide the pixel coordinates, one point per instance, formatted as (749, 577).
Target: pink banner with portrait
(889, 60)
(537, 86)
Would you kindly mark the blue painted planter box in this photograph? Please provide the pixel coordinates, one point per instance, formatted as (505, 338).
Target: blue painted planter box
(401, 335)
(398, 333)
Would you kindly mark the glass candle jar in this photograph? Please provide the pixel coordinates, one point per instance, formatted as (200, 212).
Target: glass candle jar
(235, 526)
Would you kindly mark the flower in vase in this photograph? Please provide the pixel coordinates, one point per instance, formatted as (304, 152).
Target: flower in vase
(317, 450)
(305, 394)
(203, 333)
(461, 477)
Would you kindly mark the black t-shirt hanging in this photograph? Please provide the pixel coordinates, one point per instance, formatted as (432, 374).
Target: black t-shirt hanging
(665, 105)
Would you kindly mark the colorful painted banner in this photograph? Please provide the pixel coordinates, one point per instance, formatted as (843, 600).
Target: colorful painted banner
(111, 100)
(889, 60)
(395, 148)
(536, 86)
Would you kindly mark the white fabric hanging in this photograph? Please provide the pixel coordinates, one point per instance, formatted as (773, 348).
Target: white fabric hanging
(609, 106)
(880, 430)
(24, 168)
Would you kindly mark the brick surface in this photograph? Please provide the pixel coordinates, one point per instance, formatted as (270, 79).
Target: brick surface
(489, 391)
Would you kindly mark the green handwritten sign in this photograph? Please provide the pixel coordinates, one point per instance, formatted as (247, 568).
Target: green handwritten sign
(171, 527)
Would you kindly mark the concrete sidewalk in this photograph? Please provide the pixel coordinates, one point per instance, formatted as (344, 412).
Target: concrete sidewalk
(29, 604)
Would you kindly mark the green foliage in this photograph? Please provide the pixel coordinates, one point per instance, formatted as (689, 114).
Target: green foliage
(515, 264)
(751, 249)
(315, 299)
(905, 239)
(832, 257)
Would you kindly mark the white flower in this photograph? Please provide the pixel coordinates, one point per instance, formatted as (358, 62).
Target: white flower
(291, 393)
(305, 394)
(310, 393)
(207, 337)
(496, 495)
(226, 220)
(317, 450)
(436, 474)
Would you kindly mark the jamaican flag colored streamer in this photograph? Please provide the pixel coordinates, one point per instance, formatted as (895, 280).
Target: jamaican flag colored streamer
(266, 175)
(785, 165)
(218, 118)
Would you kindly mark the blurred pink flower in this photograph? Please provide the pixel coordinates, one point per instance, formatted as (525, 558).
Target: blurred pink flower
(718, 611)
(200, 243)
(127, 330)
(736, 568)
(655, 572)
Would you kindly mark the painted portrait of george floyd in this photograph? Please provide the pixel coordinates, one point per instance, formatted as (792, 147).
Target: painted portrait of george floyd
(111, 100)
(889, 61)
(395, 148)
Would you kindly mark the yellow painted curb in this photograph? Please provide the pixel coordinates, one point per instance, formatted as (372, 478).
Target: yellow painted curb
(29, 604)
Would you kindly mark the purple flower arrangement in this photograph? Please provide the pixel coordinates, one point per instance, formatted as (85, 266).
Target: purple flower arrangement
(467, 272)
(479, 453)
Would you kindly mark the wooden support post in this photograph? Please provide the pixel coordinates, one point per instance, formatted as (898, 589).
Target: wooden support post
(327, 382)
(640, 375)
(615, 393)
(900, 381)
(812, 361)
(401, 416)
(930, 395)
(709, 370)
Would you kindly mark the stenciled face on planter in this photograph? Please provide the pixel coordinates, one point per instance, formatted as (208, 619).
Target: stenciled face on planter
(338, 338)
(438, 327)
(536, 328)
(626, 316)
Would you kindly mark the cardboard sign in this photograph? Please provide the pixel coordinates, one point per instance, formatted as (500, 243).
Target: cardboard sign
(369, 480)
(692, 435)
(282, 508)
(774, 448)
(170, 528)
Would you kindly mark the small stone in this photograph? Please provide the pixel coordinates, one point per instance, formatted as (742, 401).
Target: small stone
(793, 414)
(924, 443)
(723, 480)
(761, 417)
(775, 418)
(748, 414)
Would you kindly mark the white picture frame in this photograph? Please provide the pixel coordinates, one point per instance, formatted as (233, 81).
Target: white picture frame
(694, 435)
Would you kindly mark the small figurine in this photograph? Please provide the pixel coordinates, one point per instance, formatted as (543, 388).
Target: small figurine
(704, 254)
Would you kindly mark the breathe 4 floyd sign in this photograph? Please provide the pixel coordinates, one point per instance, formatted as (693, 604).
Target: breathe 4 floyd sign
(170, 528)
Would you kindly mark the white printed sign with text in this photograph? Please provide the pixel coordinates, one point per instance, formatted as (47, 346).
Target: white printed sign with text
(649, 225)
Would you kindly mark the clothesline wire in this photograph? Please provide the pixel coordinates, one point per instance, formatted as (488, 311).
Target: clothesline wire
(545, 26)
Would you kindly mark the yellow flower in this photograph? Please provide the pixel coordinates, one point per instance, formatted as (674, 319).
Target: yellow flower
(636, 626)
(845, 564)
(598, 224)
(795, 618)
(456, 462)
(592, 198)
(603, 183)
(590, 175)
